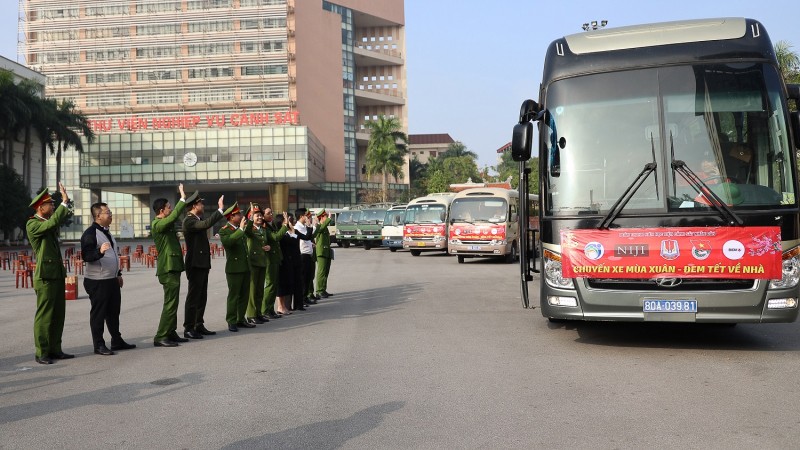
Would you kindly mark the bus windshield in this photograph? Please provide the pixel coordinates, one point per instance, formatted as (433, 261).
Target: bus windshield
(372, 216)
(725, 121)
(479, 210)
(426, 213)
(394, 217)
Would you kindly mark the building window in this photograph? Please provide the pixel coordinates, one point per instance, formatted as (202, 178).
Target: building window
(211, 72)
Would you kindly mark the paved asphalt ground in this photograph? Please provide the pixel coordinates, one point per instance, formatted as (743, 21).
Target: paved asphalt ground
(411, 352)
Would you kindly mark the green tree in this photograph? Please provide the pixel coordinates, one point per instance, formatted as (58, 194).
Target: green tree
(14, 114)
(442, 172)
(14, 201)
(386, 150)
(457, 149)
(417, 173)
(510, 168)
(788, 62)
(68, 125)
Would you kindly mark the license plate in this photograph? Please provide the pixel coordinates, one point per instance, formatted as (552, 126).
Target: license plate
(670, 306)
(420, 244)
(474, 247)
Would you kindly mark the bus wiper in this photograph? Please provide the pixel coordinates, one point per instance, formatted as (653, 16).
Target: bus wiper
(627, 195)
(703, 189)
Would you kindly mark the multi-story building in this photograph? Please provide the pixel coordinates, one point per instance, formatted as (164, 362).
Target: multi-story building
(259, 100)
(427, 146)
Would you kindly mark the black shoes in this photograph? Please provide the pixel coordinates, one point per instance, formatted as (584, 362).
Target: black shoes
(121, 345)
(176, 338)
(256, 320)
(205, 332)
(191, 334)
(103, 350)
(245, 325)
(44, 360)
(273, 315)
(264, 318)
(300, 308)
(324, 294)
(165, 343)
(61, 355)
(232, 328)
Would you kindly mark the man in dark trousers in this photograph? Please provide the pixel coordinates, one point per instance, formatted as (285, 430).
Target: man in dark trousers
(198, 264)
(324, 253)
(103, 281)
(237, 270)
(48, 277)
(169, 267)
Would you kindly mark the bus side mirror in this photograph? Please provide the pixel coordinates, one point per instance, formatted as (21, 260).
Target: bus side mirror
(795, 119)
(521, 141)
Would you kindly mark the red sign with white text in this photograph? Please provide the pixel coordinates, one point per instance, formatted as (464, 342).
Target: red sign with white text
(684, 252)
(477, 232)
(424, 230)
(191, 121)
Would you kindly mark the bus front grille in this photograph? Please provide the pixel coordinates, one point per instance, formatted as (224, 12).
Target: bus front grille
(685, 284)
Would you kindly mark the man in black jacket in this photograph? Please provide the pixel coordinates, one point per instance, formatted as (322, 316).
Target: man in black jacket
(103, 281)
(198, 264)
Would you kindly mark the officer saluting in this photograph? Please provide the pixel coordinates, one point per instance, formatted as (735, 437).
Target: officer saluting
(48, 278)
(237, 271)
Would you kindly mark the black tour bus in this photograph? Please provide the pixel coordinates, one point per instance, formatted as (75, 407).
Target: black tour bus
(668, 176)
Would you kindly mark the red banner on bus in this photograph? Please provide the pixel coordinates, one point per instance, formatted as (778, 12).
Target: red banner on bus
(477, 232)
(684, 252)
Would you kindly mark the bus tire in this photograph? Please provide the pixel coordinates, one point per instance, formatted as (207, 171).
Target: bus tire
(513, 255)
(346, 244)
(461, 259)
(367, 246)
(415, 252)
(392, 249)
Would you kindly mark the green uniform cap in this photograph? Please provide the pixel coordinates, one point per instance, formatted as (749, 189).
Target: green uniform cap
(233, 209)
(43, 197)
(193, 198)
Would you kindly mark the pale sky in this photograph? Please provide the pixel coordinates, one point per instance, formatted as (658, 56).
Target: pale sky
(471, 63)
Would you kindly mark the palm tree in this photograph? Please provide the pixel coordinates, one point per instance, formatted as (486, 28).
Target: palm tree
(386, 151)
(68, 119)
(30, 91)
(788, 62)
(457, 149)
(14, 114)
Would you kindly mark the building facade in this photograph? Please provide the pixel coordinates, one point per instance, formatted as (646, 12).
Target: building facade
(259, 100)
(427, 146)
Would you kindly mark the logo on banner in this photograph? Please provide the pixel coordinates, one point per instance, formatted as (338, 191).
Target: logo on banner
(631, 250)
(669, 249)
(594, 250)
(701, 249)
(733, 249)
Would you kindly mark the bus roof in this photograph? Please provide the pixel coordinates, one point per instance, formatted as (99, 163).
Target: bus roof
(650, 35)
(487, 192)
(439, 197)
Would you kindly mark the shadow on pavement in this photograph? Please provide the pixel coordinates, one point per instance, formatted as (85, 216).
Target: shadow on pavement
(747, 337)
(113, 395)
(329, 434)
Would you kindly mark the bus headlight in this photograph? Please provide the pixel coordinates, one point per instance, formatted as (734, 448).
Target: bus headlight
(791, 271)
(553, 274)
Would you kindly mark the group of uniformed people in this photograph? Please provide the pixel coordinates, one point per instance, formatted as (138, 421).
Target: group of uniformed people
(253, 243)
(252, 240)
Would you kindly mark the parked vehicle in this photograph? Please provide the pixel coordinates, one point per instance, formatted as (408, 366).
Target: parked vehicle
(346, 227)
(370, 223)
(484, 222)
(392, 231)
(425, 226)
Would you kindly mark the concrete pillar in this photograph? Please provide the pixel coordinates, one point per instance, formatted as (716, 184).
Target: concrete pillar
(279, 197)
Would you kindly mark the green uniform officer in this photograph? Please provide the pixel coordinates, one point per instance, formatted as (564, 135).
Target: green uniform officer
(274, 258)
(48, 278)
(237, 270)
(257, 249)
(169, 267)
(324, 253)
